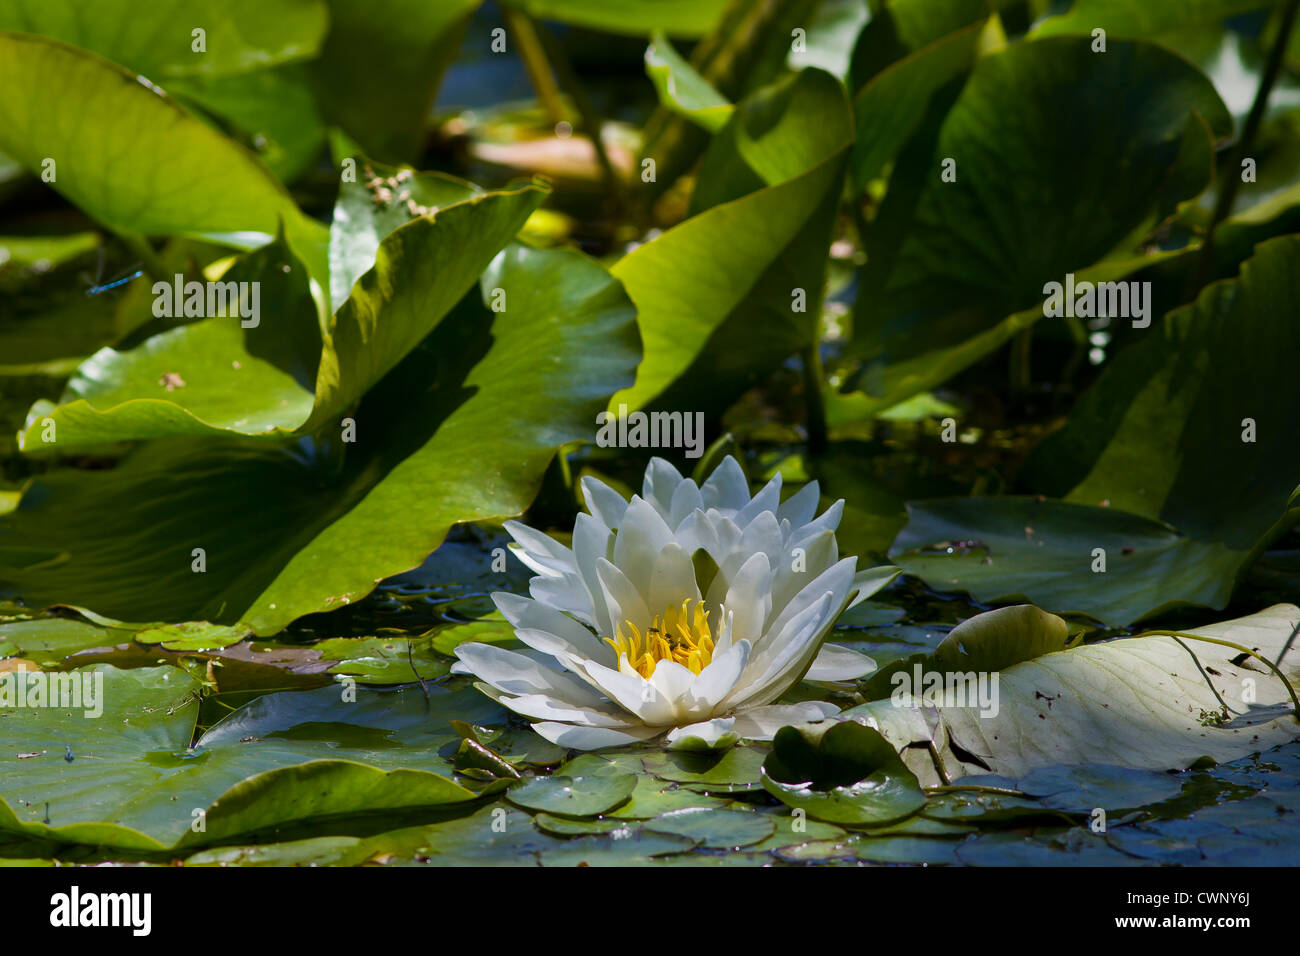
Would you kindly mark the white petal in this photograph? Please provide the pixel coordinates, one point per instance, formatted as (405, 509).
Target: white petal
(837, 579)
(767, 499)
(749, 598)
(624, 600)
(707, 735)
(539, 551)
(870, 580)
(603, 501)
(568, 594)
(715, 682)
(800, 507)
(672, 581)
(593, 738)
(726, 489)
(591, 541)
(686, 501)
(640, 538)
(634, 693)
(660, 484)
(673, 681)
(818, 554)
(775, 667)
(514, 673)
(837, 662)
(762, 723)
(541, 707)
(533, 620)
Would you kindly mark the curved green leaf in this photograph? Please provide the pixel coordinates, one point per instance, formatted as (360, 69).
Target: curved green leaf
(461, 430)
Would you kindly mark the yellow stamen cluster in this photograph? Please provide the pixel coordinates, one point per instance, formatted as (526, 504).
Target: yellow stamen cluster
(676, 635)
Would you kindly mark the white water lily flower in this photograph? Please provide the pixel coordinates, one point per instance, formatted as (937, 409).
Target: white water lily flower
(688, 611)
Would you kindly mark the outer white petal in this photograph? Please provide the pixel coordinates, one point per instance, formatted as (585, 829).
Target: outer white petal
(533, 620)
(568, 594)
(591, 541)
(541, 707)
(772, 666)
(593, 738)
(726, 489)
(539, 551)
(603, 501)
(706, 735)
(837, 579)
(819, 553)
(762, 723)
(514, 673)
(837, 662)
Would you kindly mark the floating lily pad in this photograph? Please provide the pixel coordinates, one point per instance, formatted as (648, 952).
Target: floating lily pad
(193, 636)
(573, 796)
(1081, 788)
(842, 773)
(618, 848)
(736, 771)
(716, 829)
(567, 827)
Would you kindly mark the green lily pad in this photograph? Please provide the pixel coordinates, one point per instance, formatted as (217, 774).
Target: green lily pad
(566, 827)
(617, 848)
(735, 771)
(840, 772)
(572, 796)
(193, 636)
(283, 758)
(1081, 788)
(715, 829)
(378, 660)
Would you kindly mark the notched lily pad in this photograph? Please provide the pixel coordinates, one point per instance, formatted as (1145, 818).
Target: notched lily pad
(841, 772)
(194, 635)
(735, 771)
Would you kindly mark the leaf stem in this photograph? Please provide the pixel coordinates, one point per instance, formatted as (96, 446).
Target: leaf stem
(523, 28)
(814, 404)
(1232, 173)
(1237, 647)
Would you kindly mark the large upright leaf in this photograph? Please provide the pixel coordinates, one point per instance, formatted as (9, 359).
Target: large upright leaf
(1196, 463)
(461, 430)
(412, 279)
(1158, 703)
(136, 161)
(239, 35)
(948, 260)
(1143, 18)
(379, 69)
(716, 294)
(687, 18)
